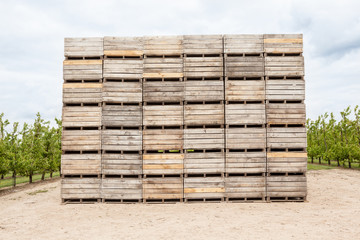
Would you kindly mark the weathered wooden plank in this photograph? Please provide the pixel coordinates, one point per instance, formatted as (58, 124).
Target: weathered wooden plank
(210, 138)
(244, 66)
(203, 44)
(204, 114)
(163, 45)
(127, 92)
(285, 89)
(284, 66)
(283, 162)
(246, 138)
(81, 117)
(163, 188)
(81, 164)
(122, 140)
(126, 115)
(245, 187)
(245, 114)
(123, 68)
(283, 43)
(123, 46)
(203, 66)
(286, 137)
(238, 90)
(286, 113)
(84, 47)
(163, 115)
(163, 67)
(82, 69)
(245, 162)
(121, 188)
(243, 43)
(158, 139)
(204, 90)
(82, 92)
(163, 91)
(172, 163)
(204, 163)
(77, 140)
(286, 186)
(206, 187)
(80, 188)
(121, 164)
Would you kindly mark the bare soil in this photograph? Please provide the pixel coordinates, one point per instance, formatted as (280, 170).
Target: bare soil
(331, 212)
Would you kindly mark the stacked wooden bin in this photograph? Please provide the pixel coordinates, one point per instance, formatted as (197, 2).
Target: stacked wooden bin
(184, 118)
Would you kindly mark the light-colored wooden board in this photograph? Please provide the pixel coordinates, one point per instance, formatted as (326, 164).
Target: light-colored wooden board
(122, 140)
(74, 164)
(163, 139)
(204, 187)
(123, 46)
(284, 66)
(245, 162)
(284, 162)
(204, 163)
(286, 186)
(286, 113)
(82, 69)
(163, 91)
(83, 47)
(203, 44)
(80, 188)
(163, 45)
(238, 90)
(206, 90)
(121, 188)
(209, 138)
(245, 187)
(245, 138)
(292, 137)
(163, 115)
(82, 92)
(204, 114)
(81, 117)
(121, 164)
(81, 140)
(172, 163)
(125, 115)
(237, 114)
(287, 89)
(283, 43)
(127, 92)
(203, 67)
(123, 68)
(244, 66)
(163, 188)
(243, 43)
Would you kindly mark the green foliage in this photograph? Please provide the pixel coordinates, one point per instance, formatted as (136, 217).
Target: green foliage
(329, 139)
(34, 149)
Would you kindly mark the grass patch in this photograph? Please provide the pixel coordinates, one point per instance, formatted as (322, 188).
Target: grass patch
(19, 180)
(38, 191)
(318, 167)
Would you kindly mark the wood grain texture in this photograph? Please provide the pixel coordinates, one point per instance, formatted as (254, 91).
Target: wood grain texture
(209, 138)
(123, 46)
(203, 44)
(158, 139)
(285, 89)
(81, 117)
(123, 68)
(245, 138)
(121, 140)
(204, 187)
(286, 186)
(163, 188)
(127, 92)
(284, 66)
(125, 115)
(238, 90)
(245, 162)
(204, 163)
(204, 114)
(171, 163)
(283, 43)
(286, 137)
(203, 67)
(244, 66)
(245, 114)
(82, 70)
(286, 113)
(81, 188)
(163, 67)
(243, 43)
(163, 45)
(204, 90)
(163, 91)
(83, 47)
(286, 162)
(81, 164)
(122, 164)
(163, 115)
(121, 188)
(81, 140)
(245, 187)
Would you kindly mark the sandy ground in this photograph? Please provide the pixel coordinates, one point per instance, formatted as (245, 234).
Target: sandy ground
(332, 212)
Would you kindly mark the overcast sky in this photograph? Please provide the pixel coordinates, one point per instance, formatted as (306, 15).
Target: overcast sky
(32, 38)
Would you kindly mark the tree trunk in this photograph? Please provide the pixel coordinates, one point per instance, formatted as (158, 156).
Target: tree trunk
(2, 176)
(312, 159)
(14, 178)
(319, 160)
(43, 176)
(338, 162)
(329, 162)
(349, 164)
(30, 178)
(51, 174)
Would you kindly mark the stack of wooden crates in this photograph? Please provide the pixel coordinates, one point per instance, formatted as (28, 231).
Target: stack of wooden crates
(184, 118)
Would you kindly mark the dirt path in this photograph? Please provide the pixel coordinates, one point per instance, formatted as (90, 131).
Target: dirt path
(332, 212)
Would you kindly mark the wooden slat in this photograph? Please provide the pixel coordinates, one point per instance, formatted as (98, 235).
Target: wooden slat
(245, 114)
(284, 66)
(286, 186)
(123, 46)
(127, 92)
(283, 43)
(122, 140)
(204, 187)
(82, 70)
(204, 114)
(203, 44)
(163, 67)
(163, 91)
(172, 163)
(282, 162)
(203, 67)
(80, 188)
(204, 163)
(163, 45)
(83, 47)
(286, 137)
(244, 66)
(126, 115)
(122, 164)
(157, 139)
(81, 140)
(243, 43)
(246, 138)
(285, 89)
(81, 117)
(121, 188)
(123, 68)
(245, 162)
(291, 113)
(82, 92)
(210, 138)
(237, 90)
(245, 187)
(204, 90)
(163, 188)
(163, 115)
(74, 164)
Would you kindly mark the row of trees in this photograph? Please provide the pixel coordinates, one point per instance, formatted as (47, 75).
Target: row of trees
(332, 140)
(29, 150)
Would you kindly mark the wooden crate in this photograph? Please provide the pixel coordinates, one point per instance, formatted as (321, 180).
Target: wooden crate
(123, 68)
(122, 115)
(246, 138)
(204, 138)
(245, 188)
(286, 113)
(244, 66)
(123, 46)
(162, 188)
(163, 115)
(81, 188)
(83, 47)
(163, 67)
(204, 114)
(237, 114)
(162, 164)
(203, 67)
(81, 140)
(243, 43)
(121, 189)
(286, 137)
(82, 70)
(286, 162)
(82, 92)
(203, 44)
(204, 187)
(81, 117)
(283, 43)
(122, 92)
(245, 162)
(122, 140)
(204, 162)
(81, 164)
(163, 45)
(240, 90)
(284, 66)
(163, 91)
(206, 90)
(285, 89)
(163, 139)
(121, 164)
(285, 187)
